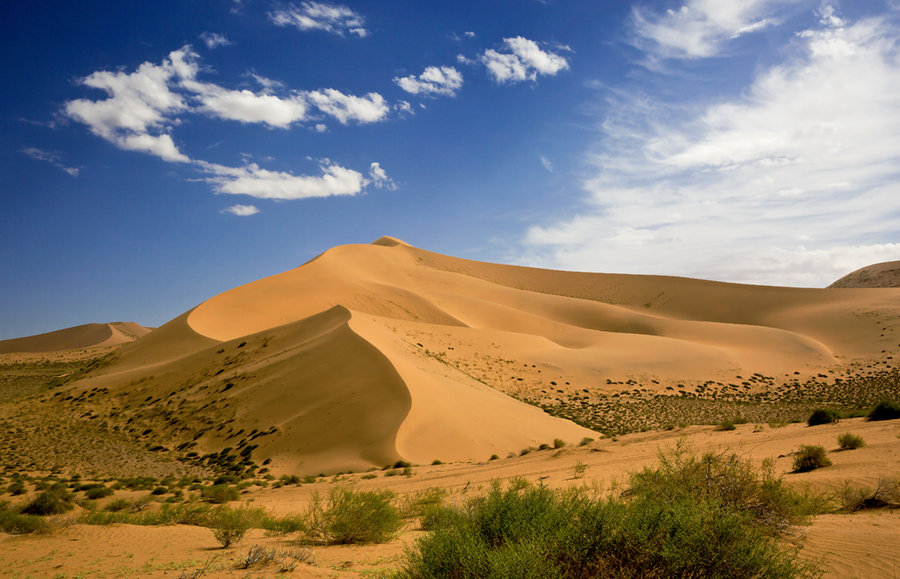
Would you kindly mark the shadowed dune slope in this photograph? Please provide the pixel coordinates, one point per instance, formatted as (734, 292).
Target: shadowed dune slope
(84, 336)
(879, 275)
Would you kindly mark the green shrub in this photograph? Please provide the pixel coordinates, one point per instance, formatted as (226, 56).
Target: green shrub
(849, 441)
(16, 523)
(16, 487)
(348, 516)
(726, 425)
(98, 492)
(53, 501)
(886, 410)
(823, 416)
(558, 443)
(221, 493)
(586, 441)
(230, 525)
(810, 457)
(532, 531)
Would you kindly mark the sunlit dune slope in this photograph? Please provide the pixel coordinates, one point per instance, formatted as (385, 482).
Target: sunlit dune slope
(85, 336)
(373, 353)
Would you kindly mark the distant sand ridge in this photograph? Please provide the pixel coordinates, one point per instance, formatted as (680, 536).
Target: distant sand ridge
(373, 353)
(84, 336)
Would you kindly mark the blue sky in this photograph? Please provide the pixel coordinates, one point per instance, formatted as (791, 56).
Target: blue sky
(156, 154)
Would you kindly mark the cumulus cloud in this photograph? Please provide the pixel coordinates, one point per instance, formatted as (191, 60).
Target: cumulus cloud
(137, 113)
(444, 81)
(795, 182)
(380, 178)
(242, 210)
(699, 28)
(335, 18)
(254, 181)
(214, 40)
(52, 157)
(522, 59)
(248, 107)
(370, 108)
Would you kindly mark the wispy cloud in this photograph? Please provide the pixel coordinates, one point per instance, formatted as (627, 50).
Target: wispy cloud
(796, 182)
(699, 28)
(380, 178)
(444, 81)
(214, 40)
(335, 18)
(522, 59)
(242, 210)
(548, 165)
(52, 157)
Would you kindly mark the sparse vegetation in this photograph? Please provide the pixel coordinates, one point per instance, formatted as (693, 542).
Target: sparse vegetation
(230, 525)
(850, 441)
(347, 515)
(823, 416)
(53, 501)
(885, 410)
(220, 493)
(810, 457)
(662, 529)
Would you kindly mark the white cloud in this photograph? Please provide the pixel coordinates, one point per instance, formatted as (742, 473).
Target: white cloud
(334, 18)
(345, 108)
(548, 165)
(444, 81)
(321, 128)
(261, 183)
(699, 28)
(469, 34)
(51, 157)
(242, 210)
(380, 178)
(522, 60)
(138, 104)
(795, 182)
(214, 40)
(248, 107)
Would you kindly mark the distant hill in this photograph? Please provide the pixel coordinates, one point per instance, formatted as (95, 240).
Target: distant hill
(84, 336)
(880, 275)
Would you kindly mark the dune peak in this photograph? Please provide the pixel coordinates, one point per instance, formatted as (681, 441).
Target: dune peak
(389, 241)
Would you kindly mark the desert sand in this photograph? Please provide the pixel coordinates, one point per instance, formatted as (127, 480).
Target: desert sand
(372, 354)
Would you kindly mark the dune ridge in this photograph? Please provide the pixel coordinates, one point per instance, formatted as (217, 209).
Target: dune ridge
(84, 336)
(369, 354)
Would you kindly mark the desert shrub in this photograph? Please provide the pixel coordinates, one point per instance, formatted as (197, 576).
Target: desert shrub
(118, 505)
(16, 523)
(230, 525)
(586, 441)
(53, 501)
(221, 493)
(414, 504)
(885, 410)
(98, 492)
(283, 525)
(532, 531)
(823, 416)
(348, 516)
(850, 441)
(16, 487)
(886, 494)
(558, 443)
(726, 425)
(810, 457)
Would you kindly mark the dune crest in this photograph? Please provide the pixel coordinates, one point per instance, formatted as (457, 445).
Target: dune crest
(84, 336)
(374, 353)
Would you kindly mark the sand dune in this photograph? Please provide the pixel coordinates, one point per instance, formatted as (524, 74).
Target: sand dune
(84, 336)
(879, 275)
(369, 354)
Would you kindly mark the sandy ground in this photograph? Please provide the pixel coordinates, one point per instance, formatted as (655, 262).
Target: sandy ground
(845, 545)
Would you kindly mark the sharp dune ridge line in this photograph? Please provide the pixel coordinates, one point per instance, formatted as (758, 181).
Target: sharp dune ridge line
(374, 353)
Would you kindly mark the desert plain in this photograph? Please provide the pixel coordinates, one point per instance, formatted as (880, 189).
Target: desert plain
(387, 367)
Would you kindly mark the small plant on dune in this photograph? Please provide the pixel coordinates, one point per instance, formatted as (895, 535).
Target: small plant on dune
(810, 457)
(579, 469)
(230, 525)
(16, 487)
(849, 441)
(98, 492)
(823, 416)
(586, 441)
(53, 501)
(558, 443)
(347, 515)
(885, 410)
(726, 425)
(16, 523)
(885, 495)
(220, 493)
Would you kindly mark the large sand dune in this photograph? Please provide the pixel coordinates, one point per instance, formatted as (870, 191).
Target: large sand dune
(84, 336)
(373, 353)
